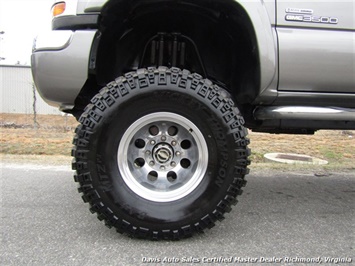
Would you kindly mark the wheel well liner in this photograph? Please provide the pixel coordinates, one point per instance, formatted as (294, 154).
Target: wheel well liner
(222, 31)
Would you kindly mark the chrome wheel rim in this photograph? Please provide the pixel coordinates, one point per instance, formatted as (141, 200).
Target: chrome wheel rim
(162, 157)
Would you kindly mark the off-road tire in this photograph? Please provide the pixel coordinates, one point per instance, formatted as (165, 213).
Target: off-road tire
(130, 148)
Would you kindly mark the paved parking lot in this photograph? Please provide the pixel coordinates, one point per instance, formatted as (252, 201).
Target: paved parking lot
(282, 218)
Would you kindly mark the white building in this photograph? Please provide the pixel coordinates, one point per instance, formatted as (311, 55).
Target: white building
(17, 93)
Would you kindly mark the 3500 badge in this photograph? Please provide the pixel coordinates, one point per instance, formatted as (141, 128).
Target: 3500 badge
(306, 15)
(313, 19)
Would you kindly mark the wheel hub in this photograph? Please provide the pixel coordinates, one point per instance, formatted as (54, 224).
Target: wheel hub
(163, 153)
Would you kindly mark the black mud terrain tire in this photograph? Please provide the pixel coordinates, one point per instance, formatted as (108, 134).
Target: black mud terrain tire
(161, 153)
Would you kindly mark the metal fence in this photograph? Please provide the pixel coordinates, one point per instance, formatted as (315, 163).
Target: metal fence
(18, 93)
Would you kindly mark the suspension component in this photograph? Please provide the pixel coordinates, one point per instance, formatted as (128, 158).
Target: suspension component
(172, 50)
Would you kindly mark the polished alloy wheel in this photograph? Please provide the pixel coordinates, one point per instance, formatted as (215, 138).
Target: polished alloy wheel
(162, 157)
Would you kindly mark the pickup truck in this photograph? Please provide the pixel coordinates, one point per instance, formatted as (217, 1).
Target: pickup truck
(165, 90)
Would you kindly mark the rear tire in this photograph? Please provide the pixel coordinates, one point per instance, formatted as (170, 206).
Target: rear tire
(161, 154)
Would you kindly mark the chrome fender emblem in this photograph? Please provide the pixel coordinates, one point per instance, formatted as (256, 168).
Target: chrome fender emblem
(299, 10)
(306, 15)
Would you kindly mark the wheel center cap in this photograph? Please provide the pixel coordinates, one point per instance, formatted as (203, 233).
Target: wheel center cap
(163, 153)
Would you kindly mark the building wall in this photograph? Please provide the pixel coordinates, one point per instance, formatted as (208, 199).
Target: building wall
(17, 94)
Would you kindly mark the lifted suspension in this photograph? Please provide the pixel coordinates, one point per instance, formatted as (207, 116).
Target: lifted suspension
(172, 50)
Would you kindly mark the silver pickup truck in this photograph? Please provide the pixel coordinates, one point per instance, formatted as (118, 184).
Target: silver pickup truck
(165, 90)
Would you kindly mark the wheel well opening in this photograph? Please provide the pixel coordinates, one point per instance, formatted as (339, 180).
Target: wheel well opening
(220, 42)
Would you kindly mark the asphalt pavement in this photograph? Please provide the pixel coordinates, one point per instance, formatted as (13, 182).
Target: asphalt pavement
(282, 218)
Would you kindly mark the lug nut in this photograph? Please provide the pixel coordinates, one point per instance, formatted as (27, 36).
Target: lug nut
(178, 153)
(147, 152)
(151, 163)
(163, 138)
(173, 164)
(173, 143)
(152, 142)
(162, 167)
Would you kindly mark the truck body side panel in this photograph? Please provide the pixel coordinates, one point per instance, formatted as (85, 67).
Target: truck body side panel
(316, 46)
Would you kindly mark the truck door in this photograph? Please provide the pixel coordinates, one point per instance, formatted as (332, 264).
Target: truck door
(316, 45)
